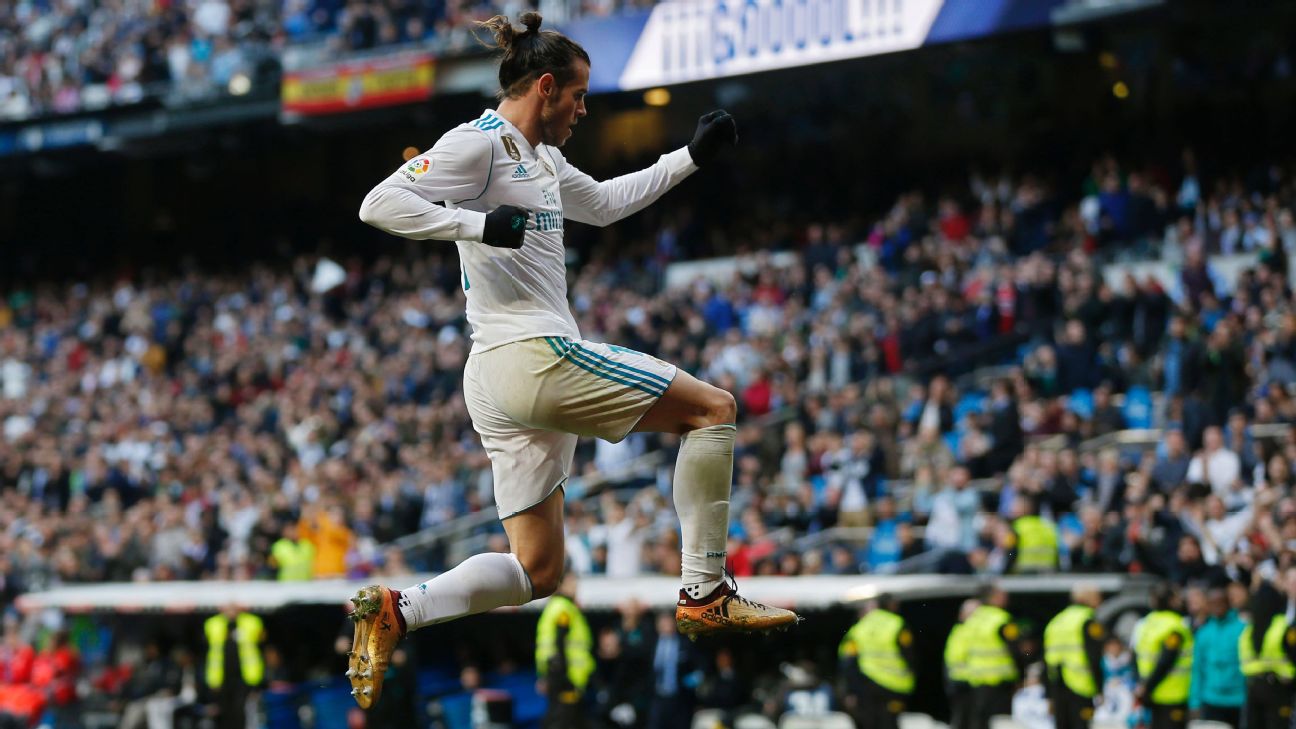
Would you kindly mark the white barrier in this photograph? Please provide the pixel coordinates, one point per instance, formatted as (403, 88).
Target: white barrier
(833, 720)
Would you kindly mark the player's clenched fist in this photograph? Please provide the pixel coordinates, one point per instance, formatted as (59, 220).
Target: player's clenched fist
(714, 132)
(505, 226)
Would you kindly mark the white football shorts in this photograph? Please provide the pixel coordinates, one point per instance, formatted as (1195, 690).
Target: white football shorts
(530, 400)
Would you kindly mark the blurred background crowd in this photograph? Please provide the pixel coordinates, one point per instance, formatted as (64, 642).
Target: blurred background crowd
(917, 379)
(966, 340)
(69, 56)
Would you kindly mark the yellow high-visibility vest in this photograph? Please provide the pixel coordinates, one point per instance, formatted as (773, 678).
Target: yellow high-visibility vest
(956, 654)
(1272, 658)
(1064, 648)
(251, 664)
(877, 637)
(989, 662)
(1157, 628)
(1037, 545)
(562, 612)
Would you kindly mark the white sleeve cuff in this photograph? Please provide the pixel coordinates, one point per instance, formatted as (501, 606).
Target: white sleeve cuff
(472, 225)
(680, 163)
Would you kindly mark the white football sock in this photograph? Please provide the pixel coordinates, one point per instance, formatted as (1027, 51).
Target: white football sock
(703, 477)
(480, 583)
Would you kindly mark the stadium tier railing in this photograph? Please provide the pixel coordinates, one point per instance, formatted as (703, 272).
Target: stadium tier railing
(806, 592)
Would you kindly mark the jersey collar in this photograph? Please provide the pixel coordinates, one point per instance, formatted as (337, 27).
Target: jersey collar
(515, 133)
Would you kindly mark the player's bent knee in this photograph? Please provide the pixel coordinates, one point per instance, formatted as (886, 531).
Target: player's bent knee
(722, 409)
(545, 574)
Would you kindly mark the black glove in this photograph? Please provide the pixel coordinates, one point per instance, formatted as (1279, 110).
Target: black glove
(714, 131)
(505, 226)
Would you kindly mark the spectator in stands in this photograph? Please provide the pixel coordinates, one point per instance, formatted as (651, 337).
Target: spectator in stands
(293, 556)
(1173, 462)
(1218, 467)
(885, 548)
(1077, 358)
(325, 527)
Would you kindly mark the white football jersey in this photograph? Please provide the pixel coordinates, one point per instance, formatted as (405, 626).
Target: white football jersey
(481, 165)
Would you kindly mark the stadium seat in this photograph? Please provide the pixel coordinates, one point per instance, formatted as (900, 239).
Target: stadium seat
(1138, 407)
(832, 720)
(914, 720)
(753, 721)
(1081, 403)
(973, 402)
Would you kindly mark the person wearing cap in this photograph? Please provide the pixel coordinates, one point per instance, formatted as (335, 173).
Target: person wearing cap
(1073, 647)
(883, 647)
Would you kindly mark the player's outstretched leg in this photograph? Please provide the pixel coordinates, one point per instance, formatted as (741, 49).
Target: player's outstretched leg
(708, 602)
(483, 582)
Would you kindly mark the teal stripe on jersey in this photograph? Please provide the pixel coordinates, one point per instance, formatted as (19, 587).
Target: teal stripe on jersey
(576, 354)
(567, 351)
(621, 365)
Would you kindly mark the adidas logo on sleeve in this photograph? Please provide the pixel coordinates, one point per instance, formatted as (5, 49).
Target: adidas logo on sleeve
(520, 172)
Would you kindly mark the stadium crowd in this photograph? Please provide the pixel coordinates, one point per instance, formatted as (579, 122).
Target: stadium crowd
(65, 56)
(243, 426)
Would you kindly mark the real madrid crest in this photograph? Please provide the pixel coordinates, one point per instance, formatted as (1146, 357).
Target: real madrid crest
(511, 147)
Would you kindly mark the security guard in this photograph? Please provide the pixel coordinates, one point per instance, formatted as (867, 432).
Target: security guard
(1267, 651)
(996, 657)
(1073, 647)
(1163, 648)
(564, 660)
(883, 646)
(234, 642)
(1032, 547)
(957, 673)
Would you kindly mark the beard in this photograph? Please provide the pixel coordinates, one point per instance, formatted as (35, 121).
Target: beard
(551, 127)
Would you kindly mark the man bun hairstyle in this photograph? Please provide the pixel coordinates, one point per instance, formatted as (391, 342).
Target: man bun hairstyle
(531, 53)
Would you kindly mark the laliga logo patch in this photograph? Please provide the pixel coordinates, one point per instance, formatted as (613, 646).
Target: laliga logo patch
(419, 165)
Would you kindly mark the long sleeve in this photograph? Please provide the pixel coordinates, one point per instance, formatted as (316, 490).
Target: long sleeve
(1165, 662)
(1094, 636)
(456, 169)
(586, 200)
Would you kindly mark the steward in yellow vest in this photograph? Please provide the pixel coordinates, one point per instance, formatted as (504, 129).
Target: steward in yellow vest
(564, 657)
(1073, 647)
(1033, 545)
(883, 649)
(234, 662)
(248, 634)
(996, 657)
(1163, 651)
(1267, 652)
(957, 672)
(292, 556)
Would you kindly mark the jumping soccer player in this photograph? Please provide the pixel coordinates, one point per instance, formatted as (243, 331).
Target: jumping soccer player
(501, 189)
